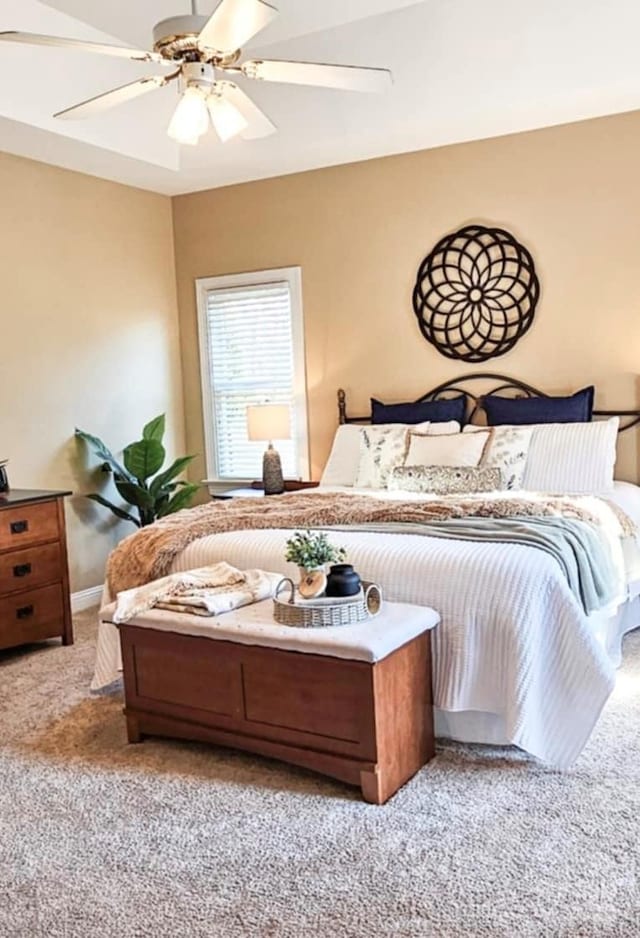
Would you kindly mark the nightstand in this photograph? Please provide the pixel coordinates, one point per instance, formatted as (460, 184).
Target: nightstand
(256, 490)
(34, 577)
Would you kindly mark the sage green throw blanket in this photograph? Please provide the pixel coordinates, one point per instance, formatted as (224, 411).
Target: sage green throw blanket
(581, 554)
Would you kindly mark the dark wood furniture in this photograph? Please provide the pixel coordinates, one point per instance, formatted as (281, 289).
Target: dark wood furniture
(255, 490)
(34, 577)
(367, 724)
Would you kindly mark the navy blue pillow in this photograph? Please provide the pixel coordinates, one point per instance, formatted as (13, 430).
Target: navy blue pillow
(436, 411)
(575, 409)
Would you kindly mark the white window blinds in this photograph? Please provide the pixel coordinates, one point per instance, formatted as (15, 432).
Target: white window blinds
(250, 358)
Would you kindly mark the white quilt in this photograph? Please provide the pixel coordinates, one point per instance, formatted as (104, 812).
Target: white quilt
(513, 640)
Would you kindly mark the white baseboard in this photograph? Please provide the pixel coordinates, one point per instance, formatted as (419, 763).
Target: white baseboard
(85, 599)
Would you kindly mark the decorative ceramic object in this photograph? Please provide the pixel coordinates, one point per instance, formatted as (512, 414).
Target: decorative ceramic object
(312, 582)
(343, 581)
(4, 478)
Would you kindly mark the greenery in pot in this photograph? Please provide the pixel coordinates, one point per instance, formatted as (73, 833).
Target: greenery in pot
(312, 550)
(149, 492)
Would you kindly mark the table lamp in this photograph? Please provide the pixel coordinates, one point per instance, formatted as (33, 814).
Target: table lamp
(269, 422)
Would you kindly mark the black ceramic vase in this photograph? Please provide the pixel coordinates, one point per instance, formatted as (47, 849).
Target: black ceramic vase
(342, 581)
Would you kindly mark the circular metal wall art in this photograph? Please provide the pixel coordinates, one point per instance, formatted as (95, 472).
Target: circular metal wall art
(476, 293)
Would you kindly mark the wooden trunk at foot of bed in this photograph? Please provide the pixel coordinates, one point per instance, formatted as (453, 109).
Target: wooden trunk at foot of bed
(369, 725)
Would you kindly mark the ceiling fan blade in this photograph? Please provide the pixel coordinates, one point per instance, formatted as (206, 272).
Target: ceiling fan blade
(235, 22)
(345, 77)
(258, 124)
(100, 48)
(102, 102)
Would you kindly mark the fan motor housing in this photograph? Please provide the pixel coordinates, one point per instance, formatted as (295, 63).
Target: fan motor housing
(177, 38)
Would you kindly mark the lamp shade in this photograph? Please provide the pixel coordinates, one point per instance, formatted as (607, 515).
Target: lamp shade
(269, 422)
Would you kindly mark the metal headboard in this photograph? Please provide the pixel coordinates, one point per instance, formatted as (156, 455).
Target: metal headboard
(512, 386)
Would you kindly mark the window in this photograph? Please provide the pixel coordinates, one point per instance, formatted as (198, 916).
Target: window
(251, 352)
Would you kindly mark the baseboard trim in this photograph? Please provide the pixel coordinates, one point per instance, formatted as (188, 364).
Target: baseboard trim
(85, 599)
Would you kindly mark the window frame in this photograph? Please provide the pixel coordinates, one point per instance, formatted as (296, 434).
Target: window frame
(203, 286)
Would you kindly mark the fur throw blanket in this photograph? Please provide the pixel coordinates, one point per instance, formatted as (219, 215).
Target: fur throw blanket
(149, 553)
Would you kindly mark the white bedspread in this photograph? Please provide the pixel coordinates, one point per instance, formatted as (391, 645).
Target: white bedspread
(513, 640)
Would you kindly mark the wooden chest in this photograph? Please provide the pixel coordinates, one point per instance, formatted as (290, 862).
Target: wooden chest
(368, 723)
(34, 579)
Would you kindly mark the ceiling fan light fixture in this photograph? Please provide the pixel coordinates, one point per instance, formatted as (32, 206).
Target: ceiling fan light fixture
(227, 120)
(190, 119)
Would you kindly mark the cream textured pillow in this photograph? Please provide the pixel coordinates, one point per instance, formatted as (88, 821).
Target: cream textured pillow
(507, 451)
(444, 480)
(381, 448)
(459, 449)
(342, 465)
(572, 457)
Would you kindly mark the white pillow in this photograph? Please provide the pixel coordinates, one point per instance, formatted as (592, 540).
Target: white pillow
(457, 449)
(342, 465)
(572, 457)
(507, 451)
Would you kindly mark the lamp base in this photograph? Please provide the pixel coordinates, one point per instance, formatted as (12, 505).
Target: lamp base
(272, 472)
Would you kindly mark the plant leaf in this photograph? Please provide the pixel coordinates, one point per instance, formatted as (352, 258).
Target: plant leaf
(169, 474)
(180, 500)
(103, 453)
(144, 458)
(135, 494)
(154, 430)
(119, 512)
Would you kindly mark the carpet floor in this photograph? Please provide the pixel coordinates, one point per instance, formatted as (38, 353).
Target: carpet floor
(102, 839)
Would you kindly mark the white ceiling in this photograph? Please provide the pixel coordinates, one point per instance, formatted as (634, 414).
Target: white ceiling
(463, 69)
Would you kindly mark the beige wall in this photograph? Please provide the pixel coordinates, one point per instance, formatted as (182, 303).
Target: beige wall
(359, 232)
(89, 334)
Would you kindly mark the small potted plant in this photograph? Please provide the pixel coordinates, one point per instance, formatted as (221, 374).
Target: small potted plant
(311, 551)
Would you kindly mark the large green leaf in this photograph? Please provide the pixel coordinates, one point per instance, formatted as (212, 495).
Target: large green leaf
(169, 474)
(180, 500)
(119, 512)
(102, 452)
(154, 430)
(144, 458)
(136, 494)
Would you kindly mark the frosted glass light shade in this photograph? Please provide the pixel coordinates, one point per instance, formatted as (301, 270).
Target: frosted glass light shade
(191, 118)
(269, 422)
(225, 117)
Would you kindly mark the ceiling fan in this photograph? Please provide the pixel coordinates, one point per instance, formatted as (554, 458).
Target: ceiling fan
(205, 54)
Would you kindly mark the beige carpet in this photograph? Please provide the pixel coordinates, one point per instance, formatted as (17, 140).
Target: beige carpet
(170, 839)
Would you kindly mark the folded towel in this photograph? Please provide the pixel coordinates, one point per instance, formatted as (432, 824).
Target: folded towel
(258, 585)
(209, 590)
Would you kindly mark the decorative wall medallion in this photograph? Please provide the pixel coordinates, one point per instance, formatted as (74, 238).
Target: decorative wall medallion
(476, 293)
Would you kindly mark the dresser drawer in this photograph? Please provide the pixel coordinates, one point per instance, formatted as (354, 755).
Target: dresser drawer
(28, 524)
(31, 616)
(27, 569)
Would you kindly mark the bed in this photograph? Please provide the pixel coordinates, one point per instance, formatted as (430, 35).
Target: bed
(518, 660)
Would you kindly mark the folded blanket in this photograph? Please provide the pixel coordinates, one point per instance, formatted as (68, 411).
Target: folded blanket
(207, 591)
(584, 557)
(149, 553)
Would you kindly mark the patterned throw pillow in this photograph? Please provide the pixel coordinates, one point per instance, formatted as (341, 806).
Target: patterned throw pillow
(507, 451)
(444, 480)
(381, 448)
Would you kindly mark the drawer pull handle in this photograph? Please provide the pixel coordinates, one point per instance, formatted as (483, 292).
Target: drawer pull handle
(22, 569)
(19, 527)
(24, 612)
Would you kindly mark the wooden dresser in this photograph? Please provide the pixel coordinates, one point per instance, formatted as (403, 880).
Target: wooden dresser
(34, 577)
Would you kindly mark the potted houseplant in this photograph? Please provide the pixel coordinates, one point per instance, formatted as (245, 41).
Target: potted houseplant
(149, 491)
(311, 551)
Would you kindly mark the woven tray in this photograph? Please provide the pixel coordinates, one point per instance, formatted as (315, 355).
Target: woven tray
(322, 613)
